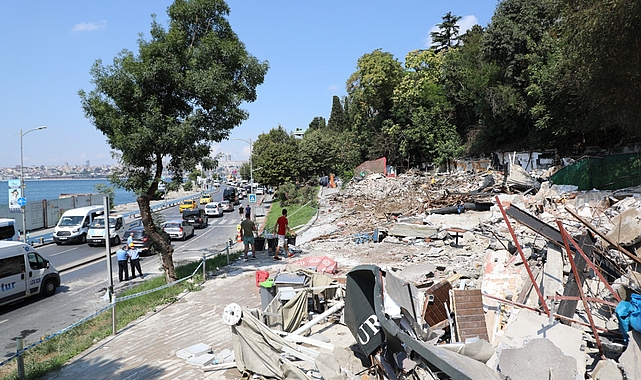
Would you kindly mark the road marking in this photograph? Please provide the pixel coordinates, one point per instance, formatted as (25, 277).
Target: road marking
(61, 252)
(4, 321)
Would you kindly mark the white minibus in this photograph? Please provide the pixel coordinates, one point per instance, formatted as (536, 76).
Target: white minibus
(74, 224)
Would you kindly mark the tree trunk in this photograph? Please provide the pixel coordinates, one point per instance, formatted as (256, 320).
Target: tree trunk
(165, 248)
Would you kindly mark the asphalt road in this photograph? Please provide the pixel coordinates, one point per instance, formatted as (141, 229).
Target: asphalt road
(83, 287)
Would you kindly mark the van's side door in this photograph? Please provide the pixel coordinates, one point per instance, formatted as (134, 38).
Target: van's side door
(13, 284)
(35, 271)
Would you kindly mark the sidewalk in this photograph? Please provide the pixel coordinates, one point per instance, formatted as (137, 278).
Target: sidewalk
(146, 349)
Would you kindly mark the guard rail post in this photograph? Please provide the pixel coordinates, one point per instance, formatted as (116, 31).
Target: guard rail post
(227, 253)
(113, 312)
(20, 353)
(204, 269)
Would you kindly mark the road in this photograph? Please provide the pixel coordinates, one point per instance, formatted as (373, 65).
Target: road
(83, 287)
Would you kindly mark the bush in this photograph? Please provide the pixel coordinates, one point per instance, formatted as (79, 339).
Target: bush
(290, 194)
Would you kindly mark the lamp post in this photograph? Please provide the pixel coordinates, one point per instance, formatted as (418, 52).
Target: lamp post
(23, 208)
(251, 171)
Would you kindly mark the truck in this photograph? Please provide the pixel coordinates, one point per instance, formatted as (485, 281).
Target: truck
(96, 233)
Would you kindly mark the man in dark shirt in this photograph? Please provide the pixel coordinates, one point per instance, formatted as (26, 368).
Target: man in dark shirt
(247, 228)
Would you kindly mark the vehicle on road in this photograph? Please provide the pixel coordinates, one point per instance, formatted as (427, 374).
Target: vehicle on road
(74, 224)
(260, 190)
(204, 199)
(178, 229)
(197, 218)
(96, 232)
(187, 204)
(227, 206)
(214, 209)
(24, 273)
(8, 230)
(142, 241)
(229, 194)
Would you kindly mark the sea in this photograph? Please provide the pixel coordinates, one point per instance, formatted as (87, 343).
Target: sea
(39, 189)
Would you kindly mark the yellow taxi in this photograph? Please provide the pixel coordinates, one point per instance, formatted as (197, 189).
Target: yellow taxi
(205, 198)
(187, 204)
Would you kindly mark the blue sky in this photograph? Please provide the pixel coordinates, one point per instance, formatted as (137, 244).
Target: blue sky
(48, 47)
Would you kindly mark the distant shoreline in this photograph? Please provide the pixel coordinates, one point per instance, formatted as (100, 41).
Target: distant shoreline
(66, 178)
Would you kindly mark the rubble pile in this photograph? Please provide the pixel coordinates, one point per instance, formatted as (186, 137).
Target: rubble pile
(470, 276)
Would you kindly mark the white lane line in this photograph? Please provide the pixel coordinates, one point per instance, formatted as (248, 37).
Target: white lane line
(61, 252)
(4, 321)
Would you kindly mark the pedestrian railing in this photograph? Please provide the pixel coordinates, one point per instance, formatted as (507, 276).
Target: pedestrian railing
(20, 350)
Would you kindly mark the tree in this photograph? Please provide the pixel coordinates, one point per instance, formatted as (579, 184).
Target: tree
(182, 91)
(337, 118)
(108, 191)
(245, 171)
(447, 36)
(276, 154)
(317, 123)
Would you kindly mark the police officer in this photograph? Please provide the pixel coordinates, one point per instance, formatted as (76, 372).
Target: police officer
(122, 256)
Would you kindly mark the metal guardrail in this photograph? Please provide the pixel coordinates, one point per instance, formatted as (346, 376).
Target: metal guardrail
(21, 351)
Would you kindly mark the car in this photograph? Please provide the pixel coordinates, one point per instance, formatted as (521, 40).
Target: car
(187, 204)
(178, 229)
(142, 241)
(227, 206)
(260, 191)
(197, 218)
(205, 198)
(214, 209)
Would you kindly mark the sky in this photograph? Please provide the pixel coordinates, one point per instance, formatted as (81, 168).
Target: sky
(47, 49)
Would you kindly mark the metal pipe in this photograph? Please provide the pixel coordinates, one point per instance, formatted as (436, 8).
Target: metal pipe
(318, 318)
(525, 263)
(22, 185)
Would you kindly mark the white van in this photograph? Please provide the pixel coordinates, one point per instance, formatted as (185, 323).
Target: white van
(74, 224)
(96, 232)
(24, 273)
(8, 230)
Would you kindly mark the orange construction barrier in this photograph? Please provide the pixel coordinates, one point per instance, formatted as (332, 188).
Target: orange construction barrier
(238, 237)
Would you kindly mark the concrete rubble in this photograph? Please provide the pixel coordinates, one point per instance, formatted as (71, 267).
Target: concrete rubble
(548, 314)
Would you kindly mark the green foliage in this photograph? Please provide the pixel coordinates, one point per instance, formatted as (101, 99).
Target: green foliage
(188, 186)
(298, 215)
(317, 123)
(446, 37)
(337, 118)
(108, 191)
(167, 103)
(276, 154)
(245, 171)
(290, 194)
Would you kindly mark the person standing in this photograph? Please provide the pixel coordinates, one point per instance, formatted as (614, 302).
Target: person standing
(134, 260)
(240, 212)
(282, 227)
(248, 211)
(247, 228)
(130, 240)
(122, 256)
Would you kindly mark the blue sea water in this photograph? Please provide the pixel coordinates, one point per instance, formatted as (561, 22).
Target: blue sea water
(37, 190)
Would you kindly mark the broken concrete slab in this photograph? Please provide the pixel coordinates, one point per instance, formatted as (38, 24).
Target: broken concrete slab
(606, 370)
(627, 230)
(538, 359)
(529, 325)
(201, 360)
(197, 349)
(412, 230)
(630, 359)
(553, 271)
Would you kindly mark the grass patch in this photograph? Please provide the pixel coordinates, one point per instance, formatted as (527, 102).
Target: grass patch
(54, 353)
(297, 215)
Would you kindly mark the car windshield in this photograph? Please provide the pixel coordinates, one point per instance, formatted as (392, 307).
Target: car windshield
(211, 205)
(187, 202)
(70, 220)
(173, 225)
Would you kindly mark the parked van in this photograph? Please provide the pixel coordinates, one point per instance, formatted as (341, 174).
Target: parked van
(74, 224)
(24, 273)
(229, 194)
(96, 232)
(8, 230)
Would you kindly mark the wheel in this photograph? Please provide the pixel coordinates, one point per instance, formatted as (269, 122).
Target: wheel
(58, 243)
(92, 245)
(117, 240)
(184, 237)
(49, 287)
(83, 239)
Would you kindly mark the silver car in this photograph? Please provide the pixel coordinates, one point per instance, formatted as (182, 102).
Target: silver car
(178, 229)
(227, 206)
(214, 209)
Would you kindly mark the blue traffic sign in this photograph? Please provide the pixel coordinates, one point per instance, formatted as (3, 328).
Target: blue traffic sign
(22, 201)
(252, 198)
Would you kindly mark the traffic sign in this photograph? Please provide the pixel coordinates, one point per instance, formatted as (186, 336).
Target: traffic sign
(252, 198)
(22, 201)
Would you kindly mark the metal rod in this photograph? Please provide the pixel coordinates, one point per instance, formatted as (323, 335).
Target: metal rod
(318, 318)
(19, 347)
(525, 263)
(578, 281)
(204, 269)
(22, 185)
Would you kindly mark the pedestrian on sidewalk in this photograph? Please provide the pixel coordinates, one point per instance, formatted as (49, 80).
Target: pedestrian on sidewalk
(248, 211)
(122, 256)
(240, 212)
(247, 229)
(134, 260)
(282, 227)
(130, 239)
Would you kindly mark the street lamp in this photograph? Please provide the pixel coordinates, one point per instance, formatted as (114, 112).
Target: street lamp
(23, 208)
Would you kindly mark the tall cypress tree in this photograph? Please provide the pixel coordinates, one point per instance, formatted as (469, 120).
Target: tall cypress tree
(337, 119)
